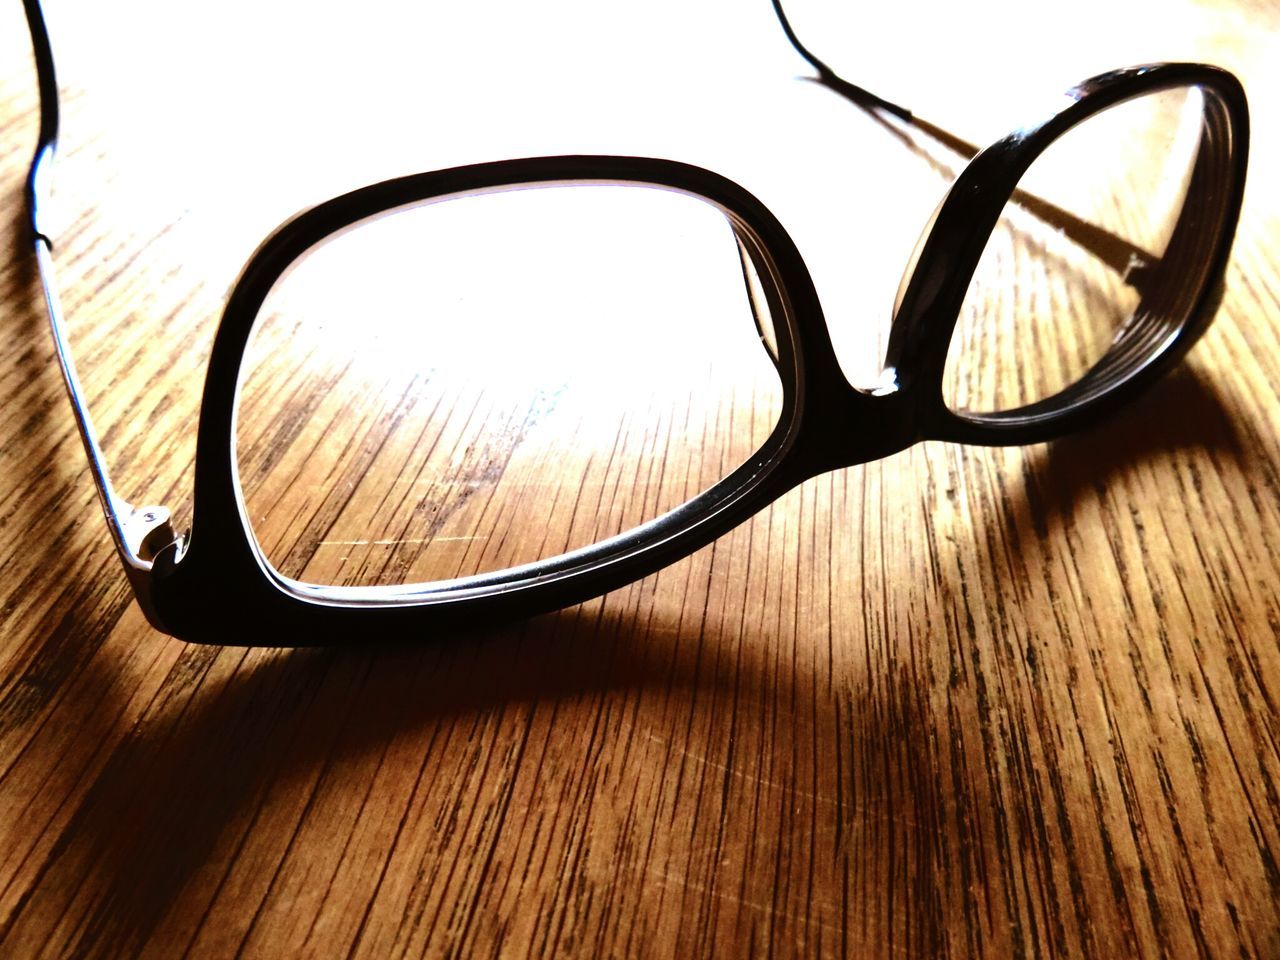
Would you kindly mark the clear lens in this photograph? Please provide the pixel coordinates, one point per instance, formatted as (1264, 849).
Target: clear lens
(1062, 273)
(490, 380)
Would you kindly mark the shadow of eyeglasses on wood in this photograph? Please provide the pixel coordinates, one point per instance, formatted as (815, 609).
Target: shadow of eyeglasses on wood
(256, 748)
(1180, 414)
(1183, 411)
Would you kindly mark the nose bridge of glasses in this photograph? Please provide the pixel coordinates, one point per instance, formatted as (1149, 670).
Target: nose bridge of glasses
(844, 426)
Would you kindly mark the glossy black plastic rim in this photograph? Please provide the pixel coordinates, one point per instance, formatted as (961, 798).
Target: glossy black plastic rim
(221, 590)
(215, 587)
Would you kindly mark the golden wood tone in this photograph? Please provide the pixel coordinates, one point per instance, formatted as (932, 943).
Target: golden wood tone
(962, 702)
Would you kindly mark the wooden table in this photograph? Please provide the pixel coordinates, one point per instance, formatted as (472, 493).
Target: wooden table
(961, 702)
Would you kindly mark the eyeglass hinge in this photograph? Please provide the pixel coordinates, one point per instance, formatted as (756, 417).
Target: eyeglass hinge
(148, 530)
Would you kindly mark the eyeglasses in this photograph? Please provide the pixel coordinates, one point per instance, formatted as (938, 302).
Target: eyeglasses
(500, 389)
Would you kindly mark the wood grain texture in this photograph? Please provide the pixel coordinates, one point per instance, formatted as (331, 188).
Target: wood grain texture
(962, 702)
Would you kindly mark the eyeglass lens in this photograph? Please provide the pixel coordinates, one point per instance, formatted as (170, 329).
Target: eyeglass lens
(1063, 273)
(489, 380)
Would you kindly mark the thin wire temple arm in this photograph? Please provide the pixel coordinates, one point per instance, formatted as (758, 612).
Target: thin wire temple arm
(135, 532)
(859, 95)
(38, 178)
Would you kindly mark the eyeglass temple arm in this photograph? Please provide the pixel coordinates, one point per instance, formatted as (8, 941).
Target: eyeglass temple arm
(137, 533)
(860, 96)
(1128, 260)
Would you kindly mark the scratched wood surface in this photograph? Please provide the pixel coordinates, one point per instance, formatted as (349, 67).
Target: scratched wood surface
(962, 702)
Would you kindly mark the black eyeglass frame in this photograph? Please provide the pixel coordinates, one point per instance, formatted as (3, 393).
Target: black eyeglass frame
(216, 586)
